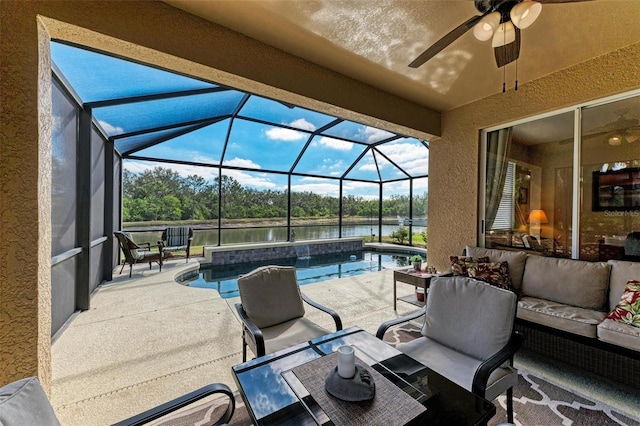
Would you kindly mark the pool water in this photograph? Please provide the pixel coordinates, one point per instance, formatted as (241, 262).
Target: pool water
(308, 270)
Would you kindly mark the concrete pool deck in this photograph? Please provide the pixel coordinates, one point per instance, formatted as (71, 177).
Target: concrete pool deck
(148, 339)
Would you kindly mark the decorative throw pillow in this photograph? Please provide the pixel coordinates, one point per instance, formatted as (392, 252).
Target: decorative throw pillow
(459, 264)
(496, 273)
(628, 310)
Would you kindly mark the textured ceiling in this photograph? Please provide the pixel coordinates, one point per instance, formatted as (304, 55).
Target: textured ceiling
(373, 41)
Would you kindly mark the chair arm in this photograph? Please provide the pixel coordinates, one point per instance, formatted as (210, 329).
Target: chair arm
(485, 369)
(253, 329)
(183, 401)
(334, 314)
(388, 324)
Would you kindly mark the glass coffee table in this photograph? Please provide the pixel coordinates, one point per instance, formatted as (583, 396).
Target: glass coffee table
(274, 394)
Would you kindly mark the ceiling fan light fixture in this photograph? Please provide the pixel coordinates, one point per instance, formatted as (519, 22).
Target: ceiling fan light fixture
(505, 34)
(615, 140)
(484, 29)
(524, 14)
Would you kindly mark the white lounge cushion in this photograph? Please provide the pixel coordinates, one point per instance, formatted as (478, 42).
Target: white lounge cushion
(24, 402)
(447, 315)
(270, 295)
(458, 367)
(291, 333)
(560, 316)
(620, 334)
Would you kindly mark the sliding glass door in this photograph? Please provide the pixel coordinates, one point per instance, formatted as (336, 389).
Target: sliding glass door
(565, 184)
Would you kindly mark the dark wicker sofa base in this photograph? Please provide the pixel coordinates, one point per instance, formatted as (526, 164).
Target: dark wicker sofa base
(610, 361)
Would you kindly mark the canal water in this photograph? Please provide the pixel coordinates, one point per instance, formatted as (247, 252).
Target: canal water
(272, 234)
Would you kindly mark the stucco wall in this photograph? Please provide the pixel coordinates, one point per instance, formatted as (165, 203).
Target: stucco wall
(453, 168)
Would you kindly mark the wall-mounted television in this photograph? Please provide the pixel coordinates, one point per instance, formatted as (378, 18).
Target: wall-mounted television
(617, 190)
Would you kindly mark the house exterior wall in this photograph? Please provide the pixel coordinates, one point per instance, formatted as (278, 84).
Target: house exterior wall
(454, 158)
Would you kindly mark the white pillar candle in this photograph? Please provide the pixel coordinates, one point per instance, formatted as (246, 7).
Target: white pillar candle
(346, 362)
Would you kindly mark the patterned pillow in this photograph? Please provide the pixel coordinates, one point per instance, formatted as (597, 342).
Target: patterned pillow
(459, 264)
(628, 310)
(496, 273)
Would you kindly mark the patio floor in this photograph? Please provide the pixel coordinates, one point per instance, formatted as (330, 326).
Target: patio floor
(148, 339)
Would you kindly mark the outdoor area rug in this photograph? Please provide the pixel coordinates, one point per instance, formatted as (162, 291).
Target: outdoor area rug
(536, 402)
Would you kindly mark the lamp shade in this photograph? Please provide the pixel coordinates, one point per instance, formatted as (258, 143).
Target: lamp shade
(525, 13)
(538, 216)
(484, 29)
(505, 34)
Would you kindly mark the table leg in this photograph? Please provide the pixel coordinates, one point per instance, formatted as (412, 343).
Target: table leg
(394, 295)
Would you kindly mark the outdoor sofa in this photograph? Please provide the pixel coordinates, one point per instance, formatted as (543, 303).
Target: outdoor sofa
(563, 309)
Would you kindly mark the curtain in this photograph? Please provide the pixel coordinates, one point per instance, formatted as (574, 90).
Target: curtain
(498, 147)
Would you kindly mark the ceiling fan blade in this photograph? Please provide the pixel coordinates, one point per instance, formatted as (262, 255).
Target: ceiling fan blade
(561, 1)
(445, 41)
(509, 52)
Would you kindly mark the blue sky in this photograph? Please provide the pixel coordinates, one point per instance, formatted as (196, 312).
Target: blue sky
(265, 134)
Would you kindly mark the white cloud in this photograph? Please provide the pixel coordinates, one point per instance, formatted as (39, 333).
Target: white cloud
(374, 135)
(184, 170)
(278, 133)
(253, 180)
(110, 129)
(320, 188)
(303, 124)
(335, 144)
(242, 162)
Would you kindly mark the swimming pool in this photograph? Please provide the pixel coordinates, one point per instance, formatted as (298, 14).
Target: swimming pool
(309, 270)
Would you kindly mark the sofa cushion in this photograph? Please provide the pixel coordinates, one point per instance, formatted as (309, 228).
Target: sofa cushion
(449, 309)
(24, 402)
(624, 335)
(560, 316)
(621, 272)
(627, 311)
(494, 273)
(460, 264)
(515, 259)
(570, 282)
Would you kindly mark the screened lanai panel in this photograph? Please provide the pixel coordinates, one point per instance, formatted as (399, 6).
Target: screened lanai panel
(131, 144)
(203, 145)
(409, 154)
(281, 113)
(358, 132)
(258, 146)
(365, 169)
(97, 77)
(329, 157)
(138, 116)
(388, 171)
(314, 197)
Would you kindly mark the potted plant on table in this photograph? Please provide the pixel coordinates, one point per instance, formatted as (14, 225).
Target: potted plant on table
(417, 262)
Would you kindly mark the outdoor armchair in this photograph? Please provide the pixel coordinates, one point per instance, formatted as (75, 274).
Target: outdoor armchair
(467, 336)
(137, 253)
(177, 238)
(272, 311)
(24, 402)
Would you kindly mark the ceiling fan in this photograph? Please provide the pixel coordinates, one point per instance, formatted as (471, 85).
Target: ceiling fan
(501, 21)
(622, 130)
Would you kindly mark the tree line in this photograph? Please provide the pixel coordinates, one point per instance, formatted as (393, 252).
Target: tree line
(161, 194)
